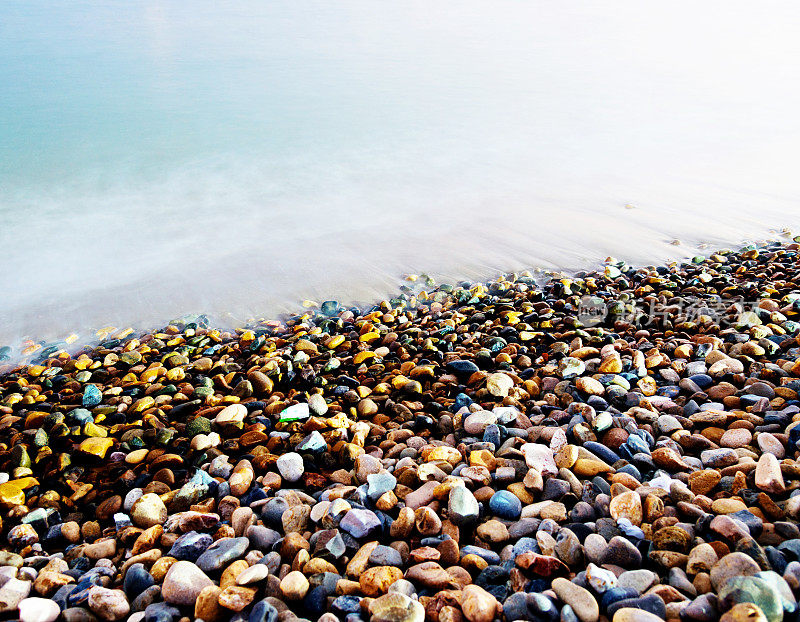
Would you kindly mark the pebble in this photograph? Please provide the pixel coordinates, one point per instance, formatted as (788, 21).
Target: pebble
(183, 582)
(394, 607)
(470, 451)
(291, 467)
(294, 586)
(768, 475)
(148, 510)
(631, 614)
(737, 590)
(38, 610)
(579, 599)
(108, 604)
(478, 605)
(505, 505)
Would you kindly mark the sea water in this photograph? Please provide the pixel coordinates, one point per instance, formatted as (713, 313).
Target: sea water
(166, 157)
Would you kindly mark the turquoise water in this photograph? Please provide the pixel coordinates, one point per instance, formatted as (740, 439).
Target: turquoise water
(160, 158)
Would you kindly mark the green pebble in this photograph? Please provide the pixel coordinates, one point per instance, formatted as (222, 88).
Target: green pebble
(83, 376)
(164, 436)
(198, 425)
(203, 391)
(40, 439)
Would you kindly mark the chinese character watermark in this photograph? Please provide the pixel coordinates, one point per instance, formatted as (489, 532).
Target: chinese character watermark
(594, 311)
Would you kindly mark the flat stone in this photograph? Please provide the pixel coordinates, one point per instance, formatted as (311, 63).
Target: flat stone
(630, 614)
(253, 574)
(732, 565)
(581, 600)
(183, 583)
(360, 523)
(640, 580)
(462, 506)
(768, 475)
(395, 607)
(477, 422)
(221, 553)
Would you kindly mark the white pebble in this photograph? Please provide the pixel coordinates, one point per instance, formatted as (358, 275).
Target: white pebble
(291, 466)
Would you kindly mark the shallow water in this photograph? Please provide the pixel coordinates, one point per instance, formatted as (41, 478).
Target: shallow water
(160, 158)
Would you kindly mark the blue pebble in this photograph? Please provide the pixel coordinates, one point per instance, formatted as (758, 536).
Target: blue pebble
(137, 580)
(637, 445)
(161, 612)
(190, 546)
(614, 594)
(344, 605)
(91, 396)
(463, 367)
(462, 399)
(263, 611)
(702, 380)
(505, 505)
(315, 600)
(79, 416)
(489, 556)
(601, 451)
(492, 435)
(525, 544)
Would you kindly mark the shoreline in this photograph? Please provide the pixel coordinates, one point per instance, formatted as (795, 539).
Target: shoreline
(618, 444)
(31, 349)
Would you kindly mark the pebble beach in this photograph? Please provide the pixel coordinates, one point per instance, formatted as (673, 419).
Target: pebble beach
(618, 445)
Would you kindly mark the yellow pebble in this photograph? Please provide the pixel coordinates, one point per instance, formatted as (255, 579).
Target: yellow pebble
(36, 370)
(159, 569)
(363, 356)
(90, 429)
(149, 375)
(335, 342)
(338, 421)
(449, 454)
(399, 381)
(25, 482)
(143, 404)
(136, 456)
(96, 446)
(11, 494)
(176, 374)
